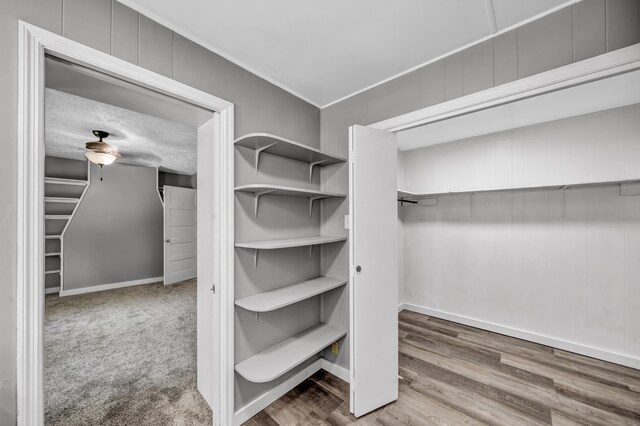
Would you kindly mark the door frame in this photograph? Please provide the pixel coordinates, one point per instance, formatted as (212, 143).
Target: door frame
(34, 42)
(606, 65)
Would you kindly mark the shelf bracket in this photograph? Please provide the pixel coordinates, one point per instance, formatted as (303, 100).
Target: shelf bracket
(310, 251)
(311, 200)
(259, 151)
(312, 165)
(256, 200)
(255, 258)
(257, 316)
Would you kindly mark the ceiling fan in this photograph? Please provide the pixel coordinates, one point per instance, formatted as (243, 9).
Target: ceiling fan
(100, 152)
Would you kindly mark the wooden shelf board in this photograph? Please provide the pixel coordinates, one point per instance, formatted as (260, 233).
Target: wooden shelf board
(277, 360)
(62, 181)
(290, 242)
(287, 190)
(285, 296)
(52, 254)
(57, 216)
(55, 271)
(61, 200)
(287, 148)
(52, 237)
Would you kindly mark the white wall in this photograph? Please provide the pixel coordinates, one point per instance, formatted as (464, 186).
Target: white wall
(596, 147)
(558, 267)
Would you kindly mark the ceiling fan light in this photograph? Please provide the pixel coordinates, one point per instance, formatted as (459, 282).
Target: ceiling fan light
(100, 158)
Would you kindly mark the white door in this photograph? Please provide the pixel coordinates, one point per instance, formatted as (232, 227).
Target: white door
(180, 222)
(374, 268)
(208, 346)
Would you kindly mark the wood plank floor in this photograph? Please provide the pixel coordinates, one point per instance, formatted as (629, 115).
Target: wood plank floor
(456, 375)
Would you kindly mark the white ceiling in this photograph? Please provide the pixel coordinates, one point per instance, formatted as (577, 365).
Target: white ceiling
(325, 50)
(141, 139)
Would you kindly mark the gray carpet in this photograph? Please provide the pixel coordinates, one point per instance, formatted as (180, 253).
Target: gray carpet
(123, 357)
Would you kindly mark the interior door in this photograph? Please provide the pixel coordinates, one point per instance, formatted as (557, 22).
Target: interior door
(180, 220)
(374, 268)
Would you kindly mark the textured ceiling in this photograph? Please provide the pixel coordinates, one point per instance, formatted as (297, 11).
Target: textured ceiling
(141, 139)
(325, 50)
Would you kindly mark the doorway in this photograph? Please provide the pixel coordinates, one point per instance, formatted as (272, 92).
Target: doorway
(215, 193)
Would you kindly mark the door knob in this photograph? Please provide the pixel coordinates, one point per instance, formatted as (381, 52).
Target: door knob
(358, 268)
(167, 240)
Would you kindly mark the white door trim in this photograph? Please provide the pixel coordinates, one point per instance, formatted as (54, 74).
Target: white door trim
(34, 42)
(588, 70)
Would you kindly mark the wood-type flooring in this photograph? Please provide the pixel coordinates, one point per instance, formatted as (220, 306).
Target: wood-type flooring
(452, 374)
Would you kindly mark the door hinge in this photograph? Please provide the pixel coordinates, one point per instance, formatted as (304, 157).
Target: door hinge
(213, 289)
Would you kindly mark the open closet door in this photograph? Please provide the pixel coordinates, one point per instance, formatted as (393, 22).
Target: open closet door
(179, 234)
(374, 268)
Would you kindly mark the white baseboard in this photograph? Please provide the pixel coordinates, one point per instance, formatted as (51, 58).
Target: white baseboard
(336, 370)
(589, 351)
(52, 290)
(401, 306)
(104, 287)
(264, 400)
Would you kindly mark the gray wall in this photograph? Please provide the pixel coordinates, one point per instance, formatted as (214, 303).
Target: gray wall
(587, 29)
(116, 233)
(260, 107)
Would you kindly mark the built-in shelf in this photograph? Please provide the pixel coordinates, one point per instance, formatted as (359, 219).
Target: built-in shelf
(259, 190)
(62, 181)
(276, 145)
(55, 271)
(289, 242)
(61, 200)
(57, 216)
(272, 363)
(52, 254)
(52, 237)
(405, 196)
(285, 296)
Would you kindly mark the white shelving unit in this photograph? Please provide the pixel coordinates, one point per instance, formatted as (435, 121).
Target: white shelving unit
(57, 216)
(259, 190)
(60, 200)
(275, 145)
(62, 181)
(256, 246)
(68, 197)
(288, 295)
(273, 362)
(284, 356)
